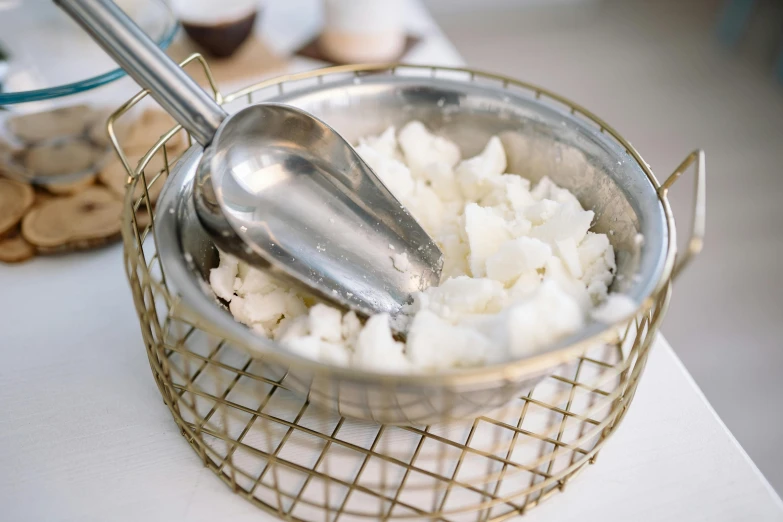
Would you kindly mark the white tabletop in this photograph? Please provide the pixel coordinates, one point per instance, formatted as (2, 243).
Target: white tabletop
(85, 435)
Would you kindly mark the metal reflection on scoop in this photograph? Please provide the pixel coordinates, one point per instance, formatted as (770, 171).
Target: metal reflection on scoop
(279, 188)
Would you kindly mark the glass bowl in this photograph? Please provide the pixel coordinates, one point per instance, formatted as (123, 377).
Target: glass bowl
(57, 88)
(49, 55)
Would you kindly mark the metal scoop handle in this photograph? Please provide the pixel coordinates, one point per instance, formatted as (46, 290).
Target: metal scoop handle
(146, 63)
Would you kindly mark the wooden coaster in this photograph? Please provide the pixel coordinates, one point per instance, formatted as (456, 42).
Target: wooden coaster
(85, 213)
(84, 220)
(312, 50)
(251, 60)
(15, 200)
(53, 124)
(14, 248)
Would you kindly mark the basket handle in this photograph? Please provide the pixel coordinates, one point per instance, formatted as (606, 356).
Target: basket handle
(699, 220)
(145, 62)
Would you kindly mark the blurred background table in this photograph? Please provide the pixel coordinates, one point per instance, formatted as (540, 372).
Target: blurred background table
(85, 435)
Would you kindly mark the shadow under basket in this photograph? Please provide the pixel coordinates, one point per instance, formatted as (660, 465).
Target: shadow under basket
(298, 451)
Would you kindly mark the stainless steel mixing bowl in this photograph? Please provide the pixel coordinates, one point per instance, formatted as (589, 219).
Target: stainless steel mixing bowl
(543, 135)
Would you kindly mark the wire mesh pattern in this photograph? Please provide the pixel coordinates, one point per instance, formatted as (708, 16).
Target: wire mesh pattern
(301, 462)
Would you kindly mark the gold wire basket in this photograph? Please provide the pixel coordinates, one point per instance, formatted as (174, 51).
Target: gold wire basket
(301, 462)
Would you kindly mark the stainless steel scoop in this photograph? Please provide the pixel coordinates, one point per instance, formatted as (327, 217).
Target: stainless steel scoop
(280, 188)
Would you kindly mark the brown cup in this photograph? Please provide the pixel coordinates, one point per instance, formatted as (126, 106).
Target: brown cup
(223, 38)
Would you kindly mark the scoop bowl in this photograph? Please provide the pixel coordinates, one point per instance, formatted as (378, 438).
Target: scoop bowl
(285, 192)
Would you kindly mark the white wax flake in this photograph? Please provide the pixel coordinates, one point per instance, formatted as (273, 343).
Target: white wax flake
(487, 231)
(526, 285)
(540, 212)
(461, 296)
(567, 222)
(401, 262)
(569, 254)
(222, 277)
(433, 342)
(260, 308)
(325, 323)
(475, 175)
(351, 326)
(517, 256)
(423, 149)
(385, 144)
(532, 323)
(254, 281)
(392, 172)
(377, 350)
(616, 308)
(521, 268)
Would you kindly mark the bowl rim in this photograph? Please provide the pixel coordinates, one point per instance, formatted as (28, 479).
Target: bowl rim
(67, 89)
(554, 355)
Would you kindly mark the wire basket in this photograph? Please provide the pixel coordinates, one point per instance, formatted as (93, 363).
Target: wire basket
(301, 462)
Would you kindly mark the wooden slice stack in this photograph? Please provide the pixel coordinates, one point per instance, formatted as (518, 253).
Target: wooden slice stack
(65, 213)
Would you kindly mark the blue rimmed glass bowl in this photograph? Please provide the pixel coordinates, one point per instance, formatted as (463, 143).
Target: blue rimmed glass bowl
(49, 56)
(47, 62)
